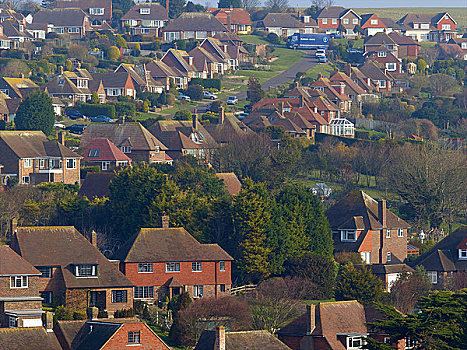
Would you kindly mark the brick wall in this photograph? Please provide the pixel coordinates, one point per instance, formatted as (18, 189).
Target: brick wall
(148, 340)
(32, 290)
(291, 341)
(78, 299)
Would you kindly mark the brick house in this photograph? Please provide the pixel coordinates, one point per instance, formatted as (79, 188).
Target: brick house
(145, 18)
(32, 158)
(429, 27)
(31, 338)
(132, 139)
(99, 11)
(17, 87)
(335, 91)
(107, 334)
(74, 271)
(386, 58)
(105, 154)
(237, 20)
(407, 47)
(116, 84)
(331, 17)
(20, 301)
(372, 24)
(163, 262)
(163, 73)
(72, 21)
(142, 79)
(378, 75)
(193, 25)
(77, 85)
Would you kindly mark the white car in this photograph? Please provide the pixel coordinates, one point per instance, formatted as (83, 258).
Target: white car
(320, 53)
(232, 100)
(242, 115)
(59, 125)
(209, 95)
(184, 97)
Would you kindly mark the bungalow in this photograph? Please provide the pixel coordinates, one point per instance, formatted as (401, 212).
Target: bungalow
(378, 75)
(77, 274)
(72, 21)
(99, 11)
(145, 18)
(406, 46)
(183, 62)
(17, 87)
(193, 25)
(386, 58)
(163, 73)
(164, 262)
(282, 24)
(330, 18)
(105, 154)
(237, 20)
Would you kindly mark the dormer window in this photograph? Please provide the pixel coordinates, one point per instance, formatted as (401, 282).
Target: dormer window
(126, 149)
(354, 343)
(96, 11)
(348, 235)
(462, 254)
(381, 54)
(85, 270)
(144, 11)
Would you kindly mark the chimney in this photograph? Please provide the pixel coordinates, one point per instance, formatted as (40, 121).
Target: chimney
(220, 338)
(60, 70)
(94, 238)
(229, 22)
(195, 121)
(281, 106)
(165, 220)
(348, 69)
(61, 137)
(13, 226)
(225, 48)
(342, 87)
(221, 115)
(93, 313)
(382, 212)
(167, 5)
(301, 100)
(48, 321)
(311, 318)
(190, 60)
(315, 109)
(21, 75)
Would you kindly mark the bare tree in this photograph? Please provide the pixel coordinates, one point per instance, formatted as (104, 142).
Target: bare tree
(322, 3)
(277, 5)
(250, 4)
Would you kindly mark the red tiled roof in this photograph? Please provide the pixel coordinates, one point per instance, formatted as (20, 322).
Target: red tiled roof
(13, 264)
(237, 15)
(104, 150)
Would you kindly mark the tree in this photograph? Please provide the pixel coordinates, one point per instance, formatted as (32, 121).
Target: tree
(277, 5)
(442, 84)
(113, 53)
(421, 65)
(228, 3)
(250, 4)
(120, 41)
(95, 98)
(36, 113)
(359, 284)
(273, 38)
(14, 68)
(49, 4)
(68, 65)
(122, 5)
(195, 92)
(254, 93)
(183, 114)
(191, 7)
(409, 288)
(176, 7)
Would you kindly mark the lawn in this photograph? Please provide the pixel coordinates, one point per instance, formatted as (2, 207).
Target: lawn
(357, 43)
(253, 39)
(143, 116)
(179, 106)
(324, 69)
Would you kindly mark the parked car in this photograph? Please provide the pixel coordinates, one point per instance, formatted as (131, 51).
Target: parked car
(59, 125)
(76, 128)
(336, 36)
(74, 114)
(322, 59)
(320, 52)
(100, 119)
(242, 115)
(184, 97)
(209, 95)
(232, 100)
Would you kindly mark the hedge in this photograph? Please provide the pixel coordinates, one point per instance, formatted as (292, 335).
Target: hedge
(207, 83)
(92, 110)
(125, 109)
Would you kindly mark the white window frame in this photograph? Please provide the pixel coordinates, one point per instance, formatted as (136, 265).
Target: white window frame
(351, 345)
(105, 165)
(415, 26)
(12, 321)
(334, 20)
(23, 281)
(172, 267)
(433, 276)
(389, 257)
(374, 21)
(81, 268)
(382, 84)
(144, 292)
(145, 11)
(325, 21)
(345, 235)
(366, 257)
(445, 27)
(382, 54)
(424, 26)
(47, 270)
(72, 162)
(126, 149)
(134, 337)
(27, 162)
(462, 254)
(355, 21)
(96, 11)
(196, 266)
(400, 232)
(221, 265)
(391, 66)
(145, 268)
(345, 21)
(119, 296)
(388, 233)
(198, 291)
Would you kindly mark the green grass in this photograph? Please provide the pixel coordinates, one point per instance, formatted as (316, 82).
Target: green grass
(253, 39)
(316, 302)
(287, 58)
(357, 43)
(321, 68)
(179, 106)
(426, 45)
(143, 116)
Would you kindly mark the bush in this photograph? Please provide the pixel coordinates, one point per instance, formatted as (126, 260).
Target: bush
(216, 105)
(207, 83)
(362, 134)
(102, 314)
(79, 315)
(124, 313)
(97, 109)
(195, 92)
(113, 53)
(170, 99)
(273, 39)
(62, 313)
(184, 114)
(84, 170)
(125, 109)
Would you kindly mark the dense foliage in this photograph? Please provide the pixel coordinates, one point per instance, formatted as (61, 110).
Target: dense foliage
(36, 113)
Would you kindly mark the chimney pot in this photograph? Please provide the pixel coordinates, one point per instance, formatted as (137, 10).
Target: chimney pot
(60, 70)
(94, 238)
(382, 212)
(220, 338)
(165, 221)
(221, 115)
(195, 121)
(311, 318)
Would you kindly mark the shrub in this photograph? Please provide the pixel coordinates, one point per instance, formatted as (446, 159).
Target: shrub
(216, 105)
(102, 314)
(79, 315)
(124, 313)
(62, 313)
(273, 39)
(170, 99)
(97, 109)
(124, 109)
(184, 114)
(195, 92)
(113, 53)
(207, 83)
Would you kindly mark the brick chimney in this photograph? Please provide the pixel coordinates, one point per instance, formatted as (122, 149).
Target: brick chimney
(310, 318)
(165, 221)
(94, 238)
(220, 338)
(61, 137)
(48, 321)
(281, 111)
(347, 69)
(382, 212)
(190, 60)
(60, 70)
(301, 100)
(13, 226)
(221, 115)
(195, 121)
(225, 48)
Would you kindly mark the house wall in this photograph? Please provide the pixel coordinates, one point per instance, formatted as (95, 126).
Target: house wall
(445, 20)
(55, 284)
(148, 340)
(8, 159)
(31, 291)
(78, 299)
(291, 341)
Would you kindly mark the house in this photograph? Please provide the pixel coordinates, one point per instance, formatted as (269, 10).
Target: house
(221, 53)
(330, 18)
(99, 11)
(230, 38)
(8, 107)
(227, 128)
(32, 158)
(381, 39)
(220, 339)
(388, 273)
(406, 46)
(141, 77)
(204, 61)
(96, 185)
(132, 139)
(72, 21)
(363, 225)
(116, 84)
(181, 61)
(237, 20)
(446, 260)
(462, 43)
(20, 301)
(163, 73)
(372, 24)
(183, 137)
(391, 25)
(449, 51)
(77, 85)
(32, 338)
(385, 58)
(282, 24)
(232, 183)
(164, 262)
(5, 42)
(378, 75)
(360, 79)
(429, 27)
(335, 92)
(342, 127)
(106, 334)
(105, 154)
(145, 18)
(74, 271)
(17, 87)
(193, 25)
(15, 32)
(351, 89)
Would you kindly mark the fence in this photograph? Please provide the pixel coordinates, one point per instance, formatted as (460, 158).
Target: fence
(243, 289)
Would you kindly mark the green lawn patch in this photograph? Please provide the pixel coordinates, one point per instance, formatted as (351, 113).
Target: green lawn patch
(253, 39)
(179, 106)
(356, 43)
(324, 69)
(143, 116)
(287, 58)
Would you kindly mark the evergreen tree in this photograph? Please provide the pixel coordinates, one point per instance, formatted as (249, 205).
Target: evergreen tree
(36, 113)
(95, 98)
(122, 5)
(176, 7)
(254, 93)
(228, 3)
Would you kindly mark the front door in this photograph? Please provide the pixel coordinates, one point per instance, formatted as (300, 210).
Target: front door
(97, 299)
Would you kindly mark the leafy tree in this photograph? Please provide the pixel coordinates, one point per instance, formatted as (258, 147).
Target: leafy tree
(409, 288)
(183, 114)
(228, 3)
(421, 65)
(120, 41)
(176, 7)
(68, 65)
(113, 53)
(14, 68)
(254, 93)
(195, 92)
(36, 113)
(122, 5)
(273, 38)
(443, 84)
(359, 284)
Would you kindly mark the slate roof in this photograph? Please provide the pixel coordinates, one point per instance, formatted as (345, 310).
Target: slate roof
(393, 267)
(359, 204)
(13, 264)
(159, 69)
(173, 244)
(379, 39)
(444, 256)
(107, 151)
(64, 246)
(390, 23)
(133, 134)
(230, 129)
(157, 12)
(374, 72)
(112, 79)
(283, 20)
(195, 21)
(331, 12)
(29, 338)
(232, 183)
(11, 29)
(96, 185)
(62, 85)
(246, 340)
(402, 39)
(69, 17)
(32, 144)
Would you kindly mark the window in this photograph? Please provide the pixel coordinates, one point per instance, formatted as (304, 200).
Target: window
(354, 343)
(47, 296)
(222, 266)
(19, 282)
(144, 267)
(172, 267)
(73, 30)
(71, 163)
(144, 292)
(463, 254)
(133, 337)
(345, 21)
(198, 291)
(348, 235)
(424, 26)
(41, 163)
(334, 21)
(145, 11)
(94, 153)
(144, 30)
(382, 54)
(27, 162)
(12, 322)
(382, 84)
(96, 11)
(446, 27)
(374, 21)
(400, 232)
(355, 21)
(389, 257)
(433, 276)
(222, 288)
(410, 344)
(325, 21)
(119, 296)
(105, 165)
(126, 149)
(196, 267)
(415, 26)
(46, 271)
(388, 233)
(85, 270)
(26, 179)
(366, 257)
